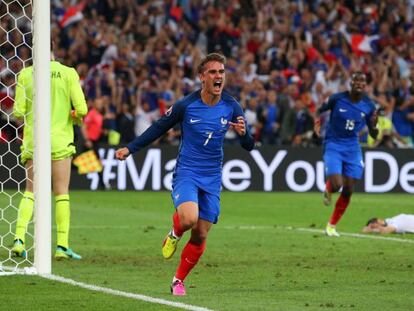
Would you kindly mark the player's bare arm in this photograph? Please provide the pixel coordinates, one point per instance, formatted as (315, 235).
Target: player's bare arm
(317, 127)
(379, 229)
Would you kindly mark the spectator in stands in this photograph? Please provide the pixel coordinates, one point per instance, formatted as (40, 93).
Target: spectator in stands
(270, 111)
(143, 115)
(249, 105)
(126, 122)
(303, 125)
(402, 119)
(267, 43)
(92, 131)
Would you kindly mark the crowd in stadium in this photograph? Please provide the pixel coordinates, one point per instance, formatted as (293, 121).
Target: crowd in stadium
(284, 59)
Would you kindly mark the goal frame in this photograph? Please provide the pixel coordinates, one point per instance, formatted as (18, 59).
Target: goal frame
(42, 147)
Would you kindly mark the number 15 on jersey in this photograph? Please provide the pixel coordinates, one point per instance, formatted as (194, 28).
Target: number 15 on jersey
(350, 125)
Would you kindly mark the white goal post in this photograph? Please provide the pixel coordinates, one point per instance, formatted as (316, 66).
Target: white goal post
(42, 156)
(23, 19)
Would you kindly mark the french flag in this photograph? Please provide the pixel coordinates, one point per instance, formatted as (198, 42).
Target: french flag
(363, 43)
(72, 15)
(360, 43)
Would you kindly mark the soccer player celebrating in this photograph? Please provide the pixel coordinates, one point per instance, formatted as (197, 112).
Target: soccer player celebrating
(205, 116)
(68, 105)
(350, 112)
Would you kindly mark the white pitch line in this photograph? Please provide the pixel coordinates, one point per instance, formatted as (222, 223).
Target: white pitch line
(3, 273)
(253, 227)
(359, 235)
(353, 235)
(122, 293)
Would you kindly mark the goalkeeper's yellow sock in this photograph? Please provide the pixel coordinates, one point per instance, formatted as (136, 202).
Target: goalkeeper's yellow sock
(25, 215)
(62, 219)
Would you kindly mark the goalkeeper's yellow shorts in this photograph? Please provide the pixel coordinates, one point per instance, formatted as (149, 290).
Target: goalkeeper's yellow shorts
(58, 155)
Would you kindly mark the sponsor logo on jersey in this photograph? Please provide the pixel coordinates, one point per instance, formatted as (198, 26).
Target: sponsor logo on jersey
(342, 110)
(194, 120)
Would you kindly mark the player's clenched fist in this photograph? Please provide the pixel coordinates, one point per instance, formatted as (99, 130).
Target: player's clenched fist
(122, 154)
(240, 126)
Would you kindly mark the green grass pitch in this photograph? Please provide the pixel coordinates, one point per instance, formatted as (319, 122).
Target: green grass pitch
(257, 258)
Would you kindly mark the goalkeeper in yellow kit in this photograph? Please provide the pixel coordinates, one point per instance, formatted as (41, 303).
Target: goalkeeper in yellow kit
(68, 105)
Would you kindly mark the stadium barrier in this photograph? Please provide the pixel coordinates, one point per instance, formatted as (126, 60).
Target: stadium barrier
(265, 169)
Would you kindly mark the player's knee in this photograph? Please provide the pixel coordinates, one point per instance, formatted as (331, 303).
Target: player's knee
(347, 191)
(188, 221)
(336, 186)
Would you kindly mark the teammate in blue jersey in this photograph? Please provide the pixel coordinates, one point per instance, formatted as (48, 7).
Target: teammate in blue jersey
(204, 116)
(350, 111)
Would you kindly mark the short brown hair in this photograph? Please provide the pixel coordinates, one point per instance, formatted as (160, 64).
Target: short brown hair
(210, 58)
(372, 221)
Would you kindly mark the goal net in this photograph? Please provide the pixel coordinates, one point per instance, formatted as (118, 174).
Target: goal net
(16, 52)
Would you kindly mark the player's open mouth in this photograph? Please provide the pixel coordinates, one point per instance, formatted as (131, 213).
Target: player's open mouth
(217, 85)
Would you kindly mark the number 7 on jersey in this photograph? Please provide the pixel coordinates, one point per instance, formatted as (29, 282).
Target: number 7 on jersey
(210, 134)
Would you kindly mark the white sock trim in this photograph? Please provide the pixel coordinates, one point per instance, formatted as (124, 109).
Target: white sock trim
(175, 279)
(174, 235)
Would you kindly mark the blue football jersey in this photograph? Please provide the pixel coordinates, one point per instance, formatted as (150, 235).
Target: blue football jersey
(347, 118)
(203, 128)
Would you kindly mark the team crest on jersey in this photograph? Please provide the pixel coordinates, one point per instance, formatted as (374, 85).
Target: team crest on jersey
(223, 121)
(362, 115)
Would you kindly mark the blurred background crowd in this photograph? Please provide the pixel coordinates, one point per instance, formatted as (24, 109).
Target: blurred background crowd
(135, 58)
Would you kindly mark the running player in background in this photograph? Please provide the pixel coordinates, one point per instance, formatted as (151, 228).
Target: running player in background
(204, 116)
(68, 105)
(350, 112)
